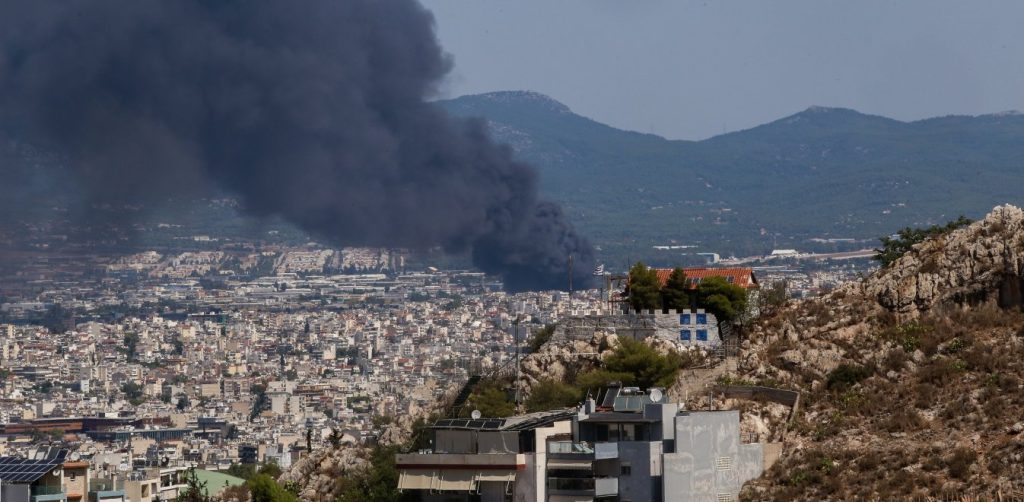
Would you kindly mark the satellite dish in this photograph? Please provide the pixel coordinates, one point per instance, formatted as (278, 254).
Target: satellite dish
(75, 456)
(56, 472)
(123, 467)
(656, 395)
(475, 415)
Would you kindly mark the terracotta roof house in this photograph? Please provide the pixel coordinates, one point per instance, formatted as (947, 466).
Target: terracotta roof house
(743, 277)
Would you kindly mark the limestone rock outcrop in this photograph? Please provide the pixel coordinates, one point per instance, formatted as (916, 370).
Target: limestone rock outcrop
(559, 360)
(317, 474)
(924, 349)
(982, 262)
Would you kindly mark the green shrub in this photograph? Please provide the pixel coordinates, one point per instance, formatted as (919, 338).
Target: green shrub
(846, 375)
(596, 380)
(550, 395)
(960, 461)
(643, 289)
(893, 248)
(647, 367)
(541, 337)
(492, 401)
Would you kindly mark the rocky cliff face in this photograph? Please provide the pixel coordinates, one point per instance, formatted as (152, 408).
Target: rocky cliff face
(317, 474)
(563, 358)
(977, 264)
(912, 379)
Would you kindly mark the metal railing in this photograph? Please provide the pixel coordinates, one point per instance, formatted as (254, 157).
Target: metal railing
(46, 490)
(570, 447)
(102, 485)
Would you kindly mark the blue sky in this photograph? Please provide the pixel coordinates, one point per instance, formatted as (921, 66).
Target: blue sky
(693, 69)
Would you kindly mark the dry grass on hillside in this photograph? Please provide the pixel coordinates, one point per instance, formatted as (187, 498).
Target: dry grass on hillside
(930, 407)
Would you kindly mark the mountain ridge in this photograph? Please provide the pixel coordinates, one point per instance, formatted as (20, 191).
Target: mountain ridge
(821, 172)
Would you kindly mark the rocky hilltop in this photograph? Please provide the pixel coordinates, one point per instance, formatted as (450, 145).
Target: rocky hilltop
(975, 265)
(911, 378)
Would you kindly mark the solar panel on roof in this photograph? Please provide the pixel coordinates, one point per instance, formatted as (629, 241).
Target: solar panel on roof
(22, 470)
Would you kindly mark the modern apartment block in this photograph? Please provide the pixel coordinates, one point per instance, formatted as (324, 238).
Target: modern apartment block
(46, 477)
(493, 459)
(623, 446)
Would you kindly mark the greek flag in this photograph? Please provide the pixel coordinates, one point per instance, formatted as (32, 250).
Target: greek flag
(599, 270)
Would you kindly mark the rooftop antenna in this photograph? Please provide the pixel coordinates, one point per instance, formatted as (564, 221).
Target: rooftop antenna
(656, 395)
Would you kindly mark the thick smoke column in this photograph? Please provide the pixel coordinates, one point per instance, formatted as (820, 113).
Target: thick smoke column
(316, 111)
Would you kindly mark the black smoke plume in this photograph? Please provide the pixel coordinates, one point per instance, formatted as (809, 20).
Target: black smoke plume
(316, 111)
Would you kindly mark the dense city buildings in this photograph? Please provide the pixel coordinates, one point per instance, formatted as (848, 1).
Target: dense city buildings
(148, 364)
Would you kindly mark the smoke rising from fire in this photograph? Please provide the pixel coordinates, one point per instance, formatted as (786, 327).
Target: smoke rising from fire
(315, 111)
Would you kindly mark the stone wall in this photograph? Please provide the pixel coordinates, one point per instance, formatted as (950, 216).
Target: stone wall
(665, 325)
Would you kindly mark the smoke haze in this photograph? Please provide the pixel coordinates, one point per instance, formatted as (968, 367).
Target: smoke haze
(315, 111)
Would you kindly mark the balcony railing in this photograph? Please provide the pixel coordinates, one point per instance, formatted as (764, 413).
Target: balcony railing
(594, 451)
(571, 484)
(597, 487)
(606, 487)
(46, 490)
(102, 485)
(570, 447)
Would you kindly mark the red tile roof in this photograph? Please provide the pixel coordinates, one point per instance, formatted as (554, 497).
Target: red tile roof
(743, 277)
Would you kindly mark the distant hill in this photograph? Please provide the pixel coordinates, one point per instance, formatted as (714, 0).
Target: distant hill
(820, 173)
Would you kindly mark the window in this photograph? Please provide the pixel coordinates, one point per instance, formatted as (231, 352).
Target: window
(684, 319)
(702, 335)
(723, 463)
(626, 469)
(702, 318)
(730, 279)
(684, 334)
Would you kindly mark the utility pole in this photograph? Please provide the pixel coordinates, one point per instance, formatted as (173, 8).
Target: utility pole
(515, 335)
(570, 283)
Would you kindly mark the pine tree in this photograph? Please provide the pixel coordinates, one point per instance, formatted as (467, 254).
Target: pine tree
(675, 294)
(644, 288)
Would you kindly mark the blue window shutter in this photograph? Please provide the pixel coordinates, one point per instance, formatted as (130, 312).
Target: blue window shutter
(684, 319)
(684, 334)
(702, 318)
(702, 335)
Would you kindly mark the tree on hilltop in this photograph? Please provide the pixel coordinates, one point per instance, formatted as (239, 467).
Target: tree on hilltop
(675, 294)
(895, 247)
(644, 287)
(727, 301)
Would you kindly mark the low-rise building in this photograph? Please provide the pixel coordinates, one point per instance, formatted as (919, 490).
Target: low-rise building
(494, 459)
(626, 446)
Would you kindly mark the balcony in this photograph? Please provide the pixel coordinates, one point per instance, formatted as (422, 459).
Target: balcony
(570, 450)
(460, 460)
(571, 486)
(603, 451)
(569, 447)
(586, 487)
(46, 493)
(102, 485)
(606, 487)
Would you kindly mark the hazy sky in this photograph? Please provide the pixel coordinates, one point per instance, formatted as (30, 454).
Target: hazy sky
(693, 69)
